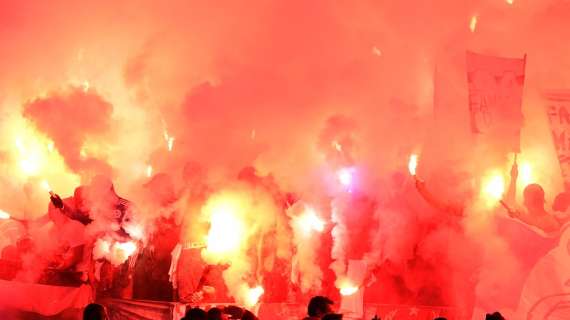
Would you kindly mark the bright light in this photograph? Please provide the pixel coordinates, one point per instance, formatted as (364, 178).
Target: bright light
(510, 1)
(45, 185)
(473, 23)
(149, 171)
(169, 140)
(345, 176)
(226, 228)
(4, 215)
(253, 296)
(134, 230)
(50, 146)
(413, 164)
(494, 187)
(348, 290)
(170, 143)
(525, 174)
(310, 221)
(123, 250)
(337, 146)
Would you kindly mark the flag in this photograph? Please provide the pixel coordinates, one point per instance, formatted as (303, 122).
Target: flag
(558, 111)
(495, 98)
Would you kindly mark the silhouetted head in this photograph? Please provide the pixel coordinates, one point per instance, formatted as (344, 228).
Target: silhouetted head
(95, 311)
(319, 306)
(215, 314)
(494, 316)
(248, 315)
(195, 314)
(533, 196)
(332, 316)
(561, 202)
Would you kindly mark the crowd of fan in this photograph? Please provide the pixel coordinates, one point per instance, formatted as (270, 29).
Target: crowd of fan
(319, 308)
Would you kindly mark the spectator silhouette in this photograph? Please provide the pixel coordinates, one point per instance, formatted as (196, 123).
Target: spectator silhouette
(248, 315)
(332, 316)
(195, 314)
(318, 307)
(95, 311)
(215, 314)
(494, 316)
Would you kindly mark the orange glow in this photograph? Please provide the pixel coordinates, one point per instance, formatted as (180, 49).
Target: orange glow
(227, 229)
(4, 215)
(413, 164)
(345, 177)
(45, 185)
(473, 23)
(310, 222)
(253, 296)
(348, 290)
(149, 171)
(493, 187)
(525, 174)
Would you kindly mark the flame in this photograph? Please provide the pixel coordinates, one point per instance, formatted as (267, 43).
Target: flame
(35, 155)
(253, 295)
(348, 290)
(473, 23)
(149, 171)
(4, 215)
(45, 185)
(169, 140)
(345, 176)
(309, 221)
(136, 231)
(170, 143)
(413, 164)
(525, 174)
(494, 187)
(120, 252)
(227, 229)
(337, 146)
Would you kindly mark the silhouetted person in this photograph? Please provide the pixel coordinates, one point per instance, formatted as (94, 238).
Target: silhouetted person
(248, 315)
(195, 314)
(494, 316)
(95, 311)
(533, 201)
(215, 314)
(332, 316)
(318, 307)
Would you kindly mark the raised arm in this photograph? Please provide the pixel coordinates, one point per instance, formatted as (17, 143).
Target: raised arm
(435, 202)
(510, 196)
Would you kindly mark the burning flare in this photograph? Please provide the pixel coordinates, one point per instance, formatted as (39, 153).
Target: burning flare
(473, 23)
(345, 176)
(45, 185)
(413, 164)
(348, 290)
(4, 215)
(253, 296)
(149, 171)
(310, 221)
(494, 187)
(227, 229)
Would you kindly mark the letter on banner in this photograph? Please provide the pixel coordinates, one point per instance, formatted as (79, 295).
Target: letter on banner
(495, 99)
